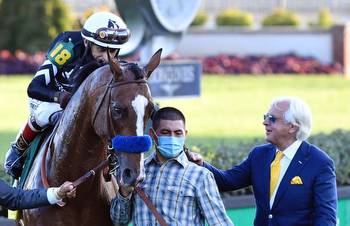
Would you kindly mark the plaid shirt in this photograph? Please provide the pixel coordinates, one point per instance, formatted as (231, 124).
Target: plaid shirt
(185, 194)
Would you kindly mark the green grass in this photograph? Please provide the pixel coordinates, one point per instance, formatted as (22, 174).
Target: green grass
(229, 109)
(14, 109)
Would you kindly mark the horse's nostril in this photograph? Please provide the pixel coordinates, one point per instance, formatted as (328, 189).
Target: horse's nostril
(128, 177)
(127, 173)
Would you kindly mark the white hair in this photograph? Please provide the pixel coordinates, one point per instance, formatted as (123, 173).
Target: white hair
(298, 114)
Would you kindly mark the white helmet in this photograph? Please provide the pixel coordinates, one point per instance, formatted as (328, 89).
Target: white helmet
(105, 29)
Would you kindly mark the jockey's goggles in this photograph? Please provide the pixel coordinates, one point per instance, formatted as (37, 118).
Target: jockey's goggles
(110, 35)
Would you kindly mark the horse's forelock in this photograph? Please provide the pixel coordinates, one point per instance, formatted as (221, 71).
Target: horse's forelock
(135, 69)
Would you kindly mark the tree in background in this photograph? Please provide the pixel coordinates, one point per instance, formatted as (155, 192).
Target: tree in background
(31, 25)
(80, 20)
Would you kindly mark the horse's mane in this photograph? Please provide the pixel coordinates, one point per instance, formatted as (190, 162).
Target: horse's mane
(79, 76)
(86, 70)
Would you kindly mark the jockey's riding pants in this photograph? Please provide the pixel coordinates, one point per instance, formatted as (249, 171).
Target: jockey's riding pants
(41, 111)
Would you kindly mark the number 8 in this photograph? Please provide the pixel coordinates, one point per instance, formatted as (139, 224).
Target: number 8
(62, 57)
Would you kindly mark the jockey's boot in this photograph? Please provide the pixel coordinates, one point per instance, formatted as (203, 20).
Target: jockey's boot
(15, 156)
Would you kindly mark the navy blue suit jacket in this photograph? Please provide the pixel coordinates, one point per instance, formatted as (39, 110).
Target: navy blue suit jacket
(14, 198)
(314, 202)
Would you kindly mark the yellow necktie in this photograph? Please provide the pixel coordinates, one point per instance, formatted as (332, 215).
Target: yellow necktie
(275, 171)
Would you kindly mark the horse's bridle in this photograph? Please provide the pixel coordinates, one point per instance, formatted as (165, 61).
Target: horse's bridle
(112, 158)
(112, 84)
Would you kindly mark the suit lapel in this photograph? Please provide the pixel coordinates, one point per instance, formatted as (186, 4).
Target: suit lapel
(299, 160)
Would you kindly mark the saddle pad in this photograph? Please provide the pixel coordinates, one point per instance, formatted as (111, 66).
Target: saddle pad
(31, 153)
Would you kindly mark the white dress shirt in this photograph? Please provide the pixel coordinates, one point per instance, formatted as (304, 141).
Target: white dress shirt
(288, 155)
(52, 196)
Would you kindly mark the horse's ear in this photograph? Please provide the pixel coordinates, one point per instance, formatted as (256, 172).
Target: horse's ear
(153, 63)
(114, 66)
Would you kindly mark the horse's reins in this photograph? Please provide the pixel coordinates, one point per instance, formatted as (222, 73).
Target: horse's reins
(43, 162)
(91, 173)
(105, 163)
(150, 205)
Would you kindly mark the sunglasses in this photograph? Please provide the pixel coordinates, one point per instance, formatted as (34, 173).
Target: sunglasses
(270, 118)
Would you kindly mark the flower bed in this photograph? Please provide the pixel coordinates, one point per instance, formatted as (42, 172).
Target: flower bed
(20, 62)
(281, 64)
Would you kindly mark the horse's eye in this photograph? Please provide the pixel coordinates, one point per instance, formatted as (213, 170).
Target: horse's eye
(117, 111)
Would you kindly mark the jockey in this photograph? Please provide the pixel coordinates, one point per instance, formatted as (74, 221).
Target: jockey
(71, 57)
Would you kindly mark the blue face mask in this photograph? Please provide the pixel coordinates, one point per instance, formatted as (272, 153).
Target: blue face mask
(169, 146)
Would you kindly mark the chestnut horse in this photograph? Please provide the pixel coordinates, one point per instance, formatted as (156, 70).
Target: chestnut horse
(113, 100)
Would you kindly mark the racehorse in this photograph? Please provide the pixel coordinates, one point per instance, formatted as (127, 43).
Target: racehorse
(113, 100)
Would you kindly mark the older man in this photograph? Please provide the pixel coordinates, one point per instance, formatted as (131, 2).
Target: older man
(294, 181)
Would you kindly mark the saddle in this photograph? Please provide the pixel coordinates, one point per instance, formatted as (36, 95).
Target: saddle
(31, 154)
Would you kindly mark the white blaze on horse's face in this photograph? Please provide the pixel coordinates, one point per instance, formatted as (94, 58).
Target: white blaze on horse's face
(139, 104)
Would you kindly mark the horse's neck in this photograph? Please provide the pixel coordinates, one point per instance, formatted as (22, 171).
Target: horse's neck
(75, 139)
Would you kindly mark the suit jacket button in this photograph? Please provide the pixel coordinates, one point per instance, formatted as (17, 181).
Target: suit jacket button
(270, 216)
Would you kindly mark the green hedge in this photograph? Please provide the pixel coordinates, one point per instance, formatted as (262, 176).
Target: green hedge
(281, 17)
(224, 156)
(200, 19)
(325, 19)
(335, 144)
(234, 17)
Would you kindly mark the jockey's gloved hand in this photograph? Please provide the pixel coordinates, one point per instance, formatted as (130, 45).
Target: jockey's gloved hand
(63, 98)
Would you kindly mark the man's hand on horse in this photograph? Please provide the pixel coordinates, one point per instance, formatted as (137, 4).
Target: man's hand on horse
(66, 190)
(63, 98)
(194, 157)
(125, 191)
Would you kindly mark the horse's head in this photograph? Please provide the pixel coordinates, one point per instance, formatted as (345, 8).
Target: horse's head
(125, 107)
